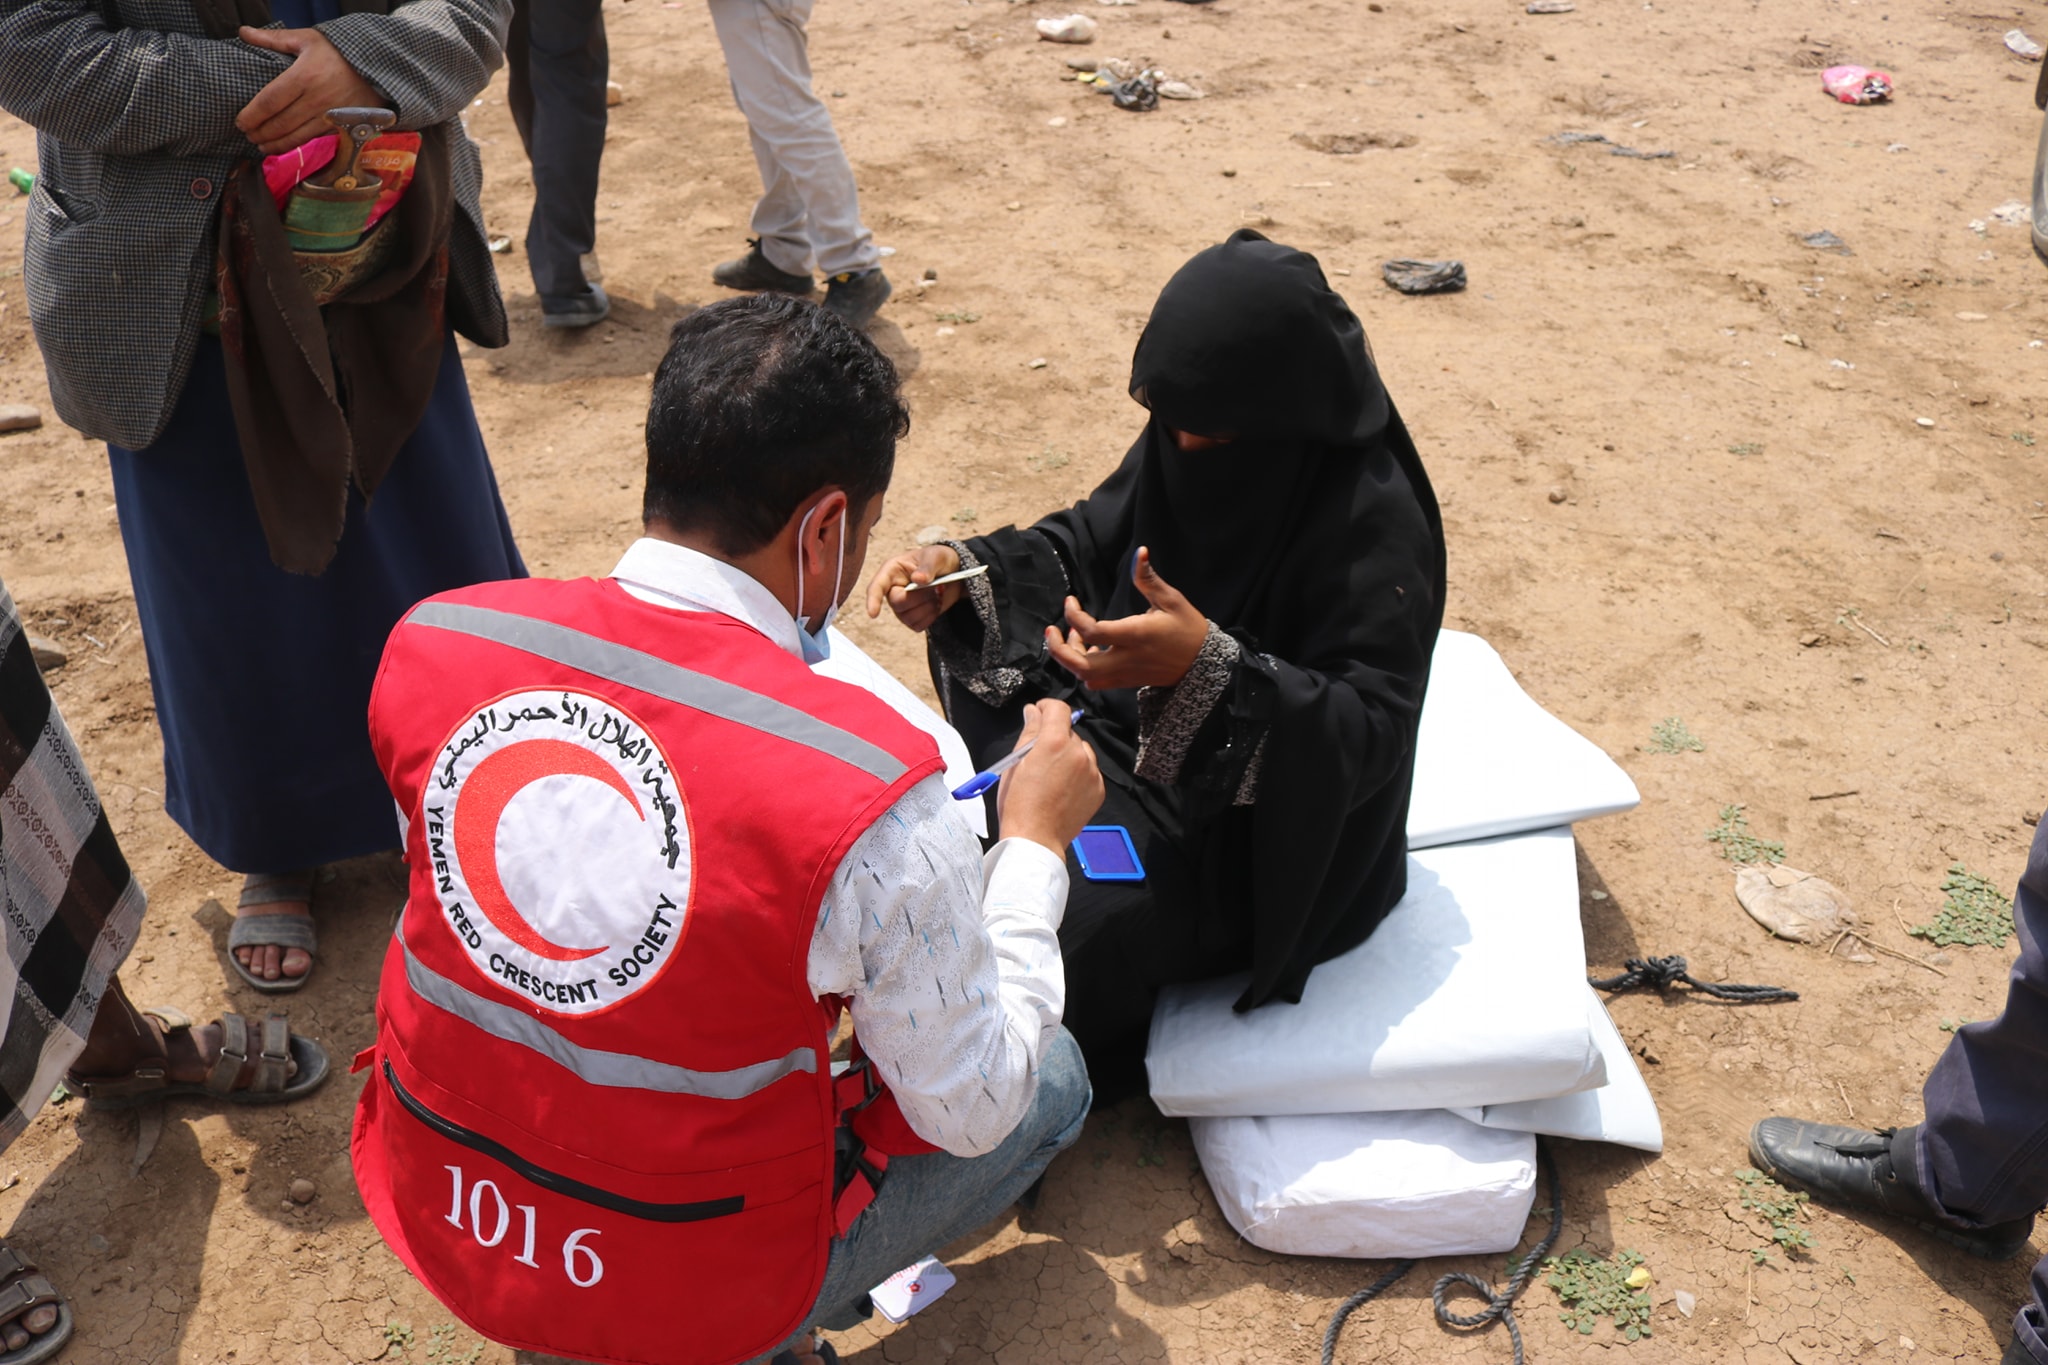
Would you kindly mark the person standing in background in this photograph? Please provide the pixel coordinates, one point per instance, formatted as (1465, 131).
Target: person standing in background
(809, 211)
(265, 577)
(557, 65)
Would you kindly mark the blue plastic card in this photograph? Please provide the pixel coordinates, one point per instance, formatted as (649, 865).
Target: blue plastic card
(1106, 854)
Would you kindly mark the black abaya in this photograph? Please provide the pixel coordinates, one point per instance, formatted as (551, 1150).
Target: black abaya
(1268, 791)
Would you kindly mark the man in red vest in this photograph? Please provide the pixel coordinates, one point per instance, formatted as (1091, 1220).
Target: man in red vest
(653, 856)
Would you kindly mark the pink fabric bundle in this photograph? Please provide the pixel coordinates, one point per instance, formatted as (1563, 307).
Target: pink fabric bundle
(390, 157)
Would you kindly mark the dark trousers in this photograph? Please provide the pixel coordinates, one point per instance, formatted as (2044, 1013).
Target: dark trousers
(557, 64)
(1983, 1151)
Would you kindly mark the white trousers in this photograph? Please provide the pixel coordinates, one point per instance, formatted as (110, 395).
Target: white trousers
(809, 210)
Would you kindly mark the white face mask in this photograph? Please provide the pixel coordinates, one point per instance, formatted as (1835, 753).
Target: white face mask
(815, 646)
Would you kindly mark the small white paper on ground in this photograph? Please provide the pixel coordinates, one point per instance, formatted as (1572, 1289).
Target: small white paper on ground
(911, 1289)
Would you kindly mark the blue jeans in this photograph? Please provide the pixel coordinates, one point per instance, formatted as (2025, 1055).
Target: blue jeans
(1982, 1154)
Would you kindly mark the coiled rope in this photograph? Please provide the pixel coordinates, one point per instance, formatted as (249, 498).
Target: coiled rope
(1500, 1304)
(1662, 973)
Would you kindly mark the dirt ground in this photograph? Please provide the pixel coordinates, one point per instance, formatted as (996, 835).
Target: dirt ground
(1690, 467)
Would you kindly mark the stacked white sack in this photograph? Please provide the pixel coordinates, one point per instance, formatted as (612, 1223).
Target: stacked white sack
(1395, 1105)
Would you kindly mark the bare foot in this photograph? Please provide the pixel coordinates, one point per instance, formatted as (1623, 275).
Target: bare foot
(269, 961)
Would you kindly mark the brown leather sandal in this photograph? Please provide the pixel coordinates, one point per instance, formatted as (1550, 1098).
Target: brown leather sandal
(274, 1082)
(24, 1290)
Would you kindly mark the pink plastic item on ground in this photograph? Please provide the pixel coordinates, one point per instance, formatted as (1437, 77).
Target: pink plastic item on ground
(1857, 84)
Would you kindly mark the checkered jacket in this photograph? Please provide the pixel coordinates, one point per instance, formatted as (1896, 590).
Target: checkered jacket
(135, 140)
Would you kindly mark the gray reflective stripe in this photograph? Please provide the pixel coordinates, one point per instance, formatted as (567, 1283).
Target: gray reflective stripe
(597, 1068)
(644, 673)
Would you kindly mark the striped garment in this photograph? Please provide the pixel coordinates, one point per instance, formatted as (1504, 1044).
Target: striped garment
(72, 909)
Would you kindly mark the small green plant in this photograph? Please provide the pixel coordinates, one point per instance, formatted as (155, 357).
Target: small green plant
(2025, 438)
(964, 515)
(397, 1337)
(1976, 913)
(1738, 845)
(1049, 459)
(1669, 736)
(1951, 1025)
(1591, 1289)
(1746, 448)
(1780, 1208)
(444, 1349)
(957, 317)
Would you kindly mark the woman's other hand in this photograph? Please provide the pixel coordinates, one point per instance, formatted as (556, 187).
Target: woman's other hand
(918, 609)
(1153, 650)
(292, 109)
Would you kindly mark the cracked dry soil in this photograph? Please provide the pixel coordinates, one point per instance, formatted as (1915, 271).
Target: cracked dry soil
(1663, 498)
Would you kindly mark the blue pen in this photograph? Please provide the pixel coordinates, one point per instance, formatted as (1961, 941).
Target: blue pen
(993, 773)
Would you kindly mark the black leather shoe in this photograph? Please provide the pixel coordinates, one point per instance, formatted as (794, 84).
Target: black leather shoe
(1855, 1168)
(752, 271)
(858, 295)
(577, 310)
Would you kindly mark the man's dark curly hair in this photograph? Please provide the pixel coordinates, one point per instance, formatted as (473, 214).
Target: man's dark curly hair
(760, 402)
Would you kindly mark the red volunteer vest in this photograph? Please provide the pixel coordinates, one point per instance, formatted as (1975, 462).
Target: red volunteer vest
(601, 1120)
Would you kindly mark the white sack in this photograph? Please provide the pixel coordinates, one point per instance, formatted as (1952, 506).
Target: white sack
(1471, 992)
(849, 663)
(1489, 760)
(1621, 1111)
(1412, 1183)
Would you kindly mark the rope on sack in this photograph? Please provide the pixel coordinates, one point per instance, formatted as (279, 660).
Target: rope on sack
(1499, 1303)
(1662, 973)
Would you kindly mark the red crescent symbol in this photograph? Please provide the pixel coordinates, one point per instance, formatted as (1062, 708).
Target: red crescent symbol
(486, 792)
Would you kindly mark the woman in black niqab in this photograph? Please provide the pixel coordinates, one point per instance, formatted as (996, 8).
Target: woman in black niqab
(1276, 490)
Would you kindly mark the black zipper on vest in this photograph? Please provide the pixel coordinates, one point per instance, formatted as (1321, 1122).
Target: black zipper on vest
(561, 1184)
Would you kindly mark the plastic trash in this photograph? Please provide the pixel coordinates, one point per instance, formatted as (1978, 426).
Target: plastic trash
(1613, 148)
(1179, 90)
(1550, 7)
(1073, 28)
(1139, 94)
(1857, 84)
(1424, 277)
(1826, 241)
(22, 180)
(2020, 45)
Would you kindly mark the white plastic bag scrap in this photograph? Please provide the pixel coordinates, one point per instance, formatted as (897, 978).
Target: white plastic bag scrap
(1622, 1111)
(1413, 1183)
(1489, 760)
(1471, 992)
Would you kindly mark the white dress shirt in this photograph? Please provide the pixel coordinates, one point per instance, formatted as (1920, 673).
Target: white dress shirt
(950, 960)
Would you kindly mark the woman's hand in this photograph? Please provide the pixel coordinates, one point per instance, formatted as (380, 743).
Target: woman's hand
(1153, 650)
(292, 109)
(919, 609)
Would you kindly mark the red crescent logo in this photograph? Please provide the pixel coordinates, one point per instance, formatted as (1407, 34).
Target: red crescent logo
(490, 787)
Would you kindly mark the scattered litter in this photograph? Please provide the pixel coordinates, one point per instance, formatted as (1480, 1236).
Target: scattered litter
(19, 417)
(914, 1288)
(1825, 241)
(943, 332)
(1792, 339)
(500, 245)
(1980, 227)
(2013, 213)
(1684, 1302)
(1840, 365)
(2020, 45)
(1795, 905)
(1898, 147)
(1055, 123)
(13, 1179)
(1139, 94)
(1613, 148)
(1087, 64)
(1973, 317)
(49, 656)
(1116, 2)
(1857, 84)
(1351, 144)
(1039, 363)
(1424, 277)
(1179, 90)
(303, 1191)
(22, 180)
(1074, 28)
(614, 94)
(1923, 421)
(1551, 6)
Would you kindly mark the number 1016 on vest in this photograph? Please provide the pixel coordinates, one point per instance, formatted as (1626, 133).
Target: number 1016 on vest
(490, 1218)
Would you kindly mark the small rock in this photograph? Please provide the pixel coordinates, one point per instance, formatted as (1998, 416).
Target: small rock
(1039, 363)
(303, 1191)
(2032, 817)
(1684, 1301)
(1229, 172)
(1923, 421)
(1424, 277)
(13, 1179)
(930, 273)
(1906, 1344)
(1558, 495)
(1550, 7)
(1973, 317)
(1014, 205)
(931, 535)
(1072, 28)
(1055, 123)
(1179, 90)
(1652, 1058)
(19, 417)
(1811, 638)
(614, 94)
(1597, 895)
(1792, 339)
(1940, 959)
(943, 332)
(49, 656)
(98, 1245)
(500, 245)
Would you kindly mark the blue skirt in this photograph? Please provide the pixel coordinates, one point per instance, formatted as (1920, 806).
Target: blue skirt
(262, 677)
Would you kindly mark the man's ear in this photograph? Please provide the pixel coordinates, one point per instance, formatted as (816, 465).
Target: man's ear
(820, 531)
